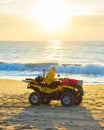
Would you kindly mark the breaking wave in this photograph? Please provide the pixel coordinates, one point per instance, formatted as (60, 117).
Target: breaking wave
(88, 69)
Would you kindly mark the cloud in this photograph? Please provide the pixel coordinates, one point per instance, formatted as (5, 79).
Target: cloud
(17, 27)
(88, 21)
(100, 11)
(6, 1)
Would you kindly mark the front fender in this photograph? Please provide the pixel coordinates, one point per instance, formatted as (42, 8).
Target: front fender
(34, 87)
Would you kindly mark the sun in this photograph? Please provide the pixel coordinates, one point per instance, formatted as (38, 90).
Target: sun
(51, 15)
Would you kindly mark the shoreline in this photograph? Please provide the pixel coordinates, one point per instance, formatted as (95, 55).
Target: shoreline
(17, 113)
(20, 80)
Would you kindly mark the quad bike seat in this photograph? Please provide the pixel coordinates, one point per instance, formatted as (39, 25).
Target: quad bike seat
(53, 85)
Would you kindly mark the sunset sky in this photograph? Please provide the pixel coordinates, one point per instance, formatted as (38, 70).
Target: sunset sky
(36, 20)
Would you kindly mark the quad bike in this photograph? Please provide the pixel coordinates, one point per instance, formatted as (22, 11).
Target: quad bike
(68, 91)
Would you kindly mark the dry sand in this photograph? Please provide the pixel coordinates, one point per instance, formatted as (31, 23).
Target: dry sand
(17, 114)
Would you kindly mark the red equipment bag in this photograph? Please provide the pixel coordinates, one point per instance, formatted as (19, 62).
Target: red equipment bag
(65, 81)
(73, 81)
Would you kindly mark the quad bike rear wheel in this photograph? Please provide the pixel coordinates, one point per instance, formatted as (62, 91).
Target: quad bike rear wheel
(35, 98)
(67, 99)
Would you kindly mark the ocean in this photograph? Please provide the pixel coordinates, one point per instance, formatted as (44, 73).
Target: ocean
(76, 60)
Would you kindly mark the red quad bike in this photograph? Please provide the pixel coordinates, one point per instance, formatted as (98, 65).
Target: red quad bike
(68, 91)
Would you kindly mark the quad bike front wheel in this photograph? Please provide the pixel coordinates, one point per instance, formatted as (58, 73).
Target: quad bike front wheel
(79, 100)
(67, 99)
(35, 98)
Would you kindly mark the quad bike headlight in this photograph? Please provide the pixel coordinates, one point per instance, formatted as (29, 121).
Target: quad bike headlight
(76, 89)
(28, 86)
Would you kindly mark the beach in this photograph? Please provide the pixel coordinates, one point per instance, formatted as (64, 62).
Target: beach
(17, 113)
(37, 35)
